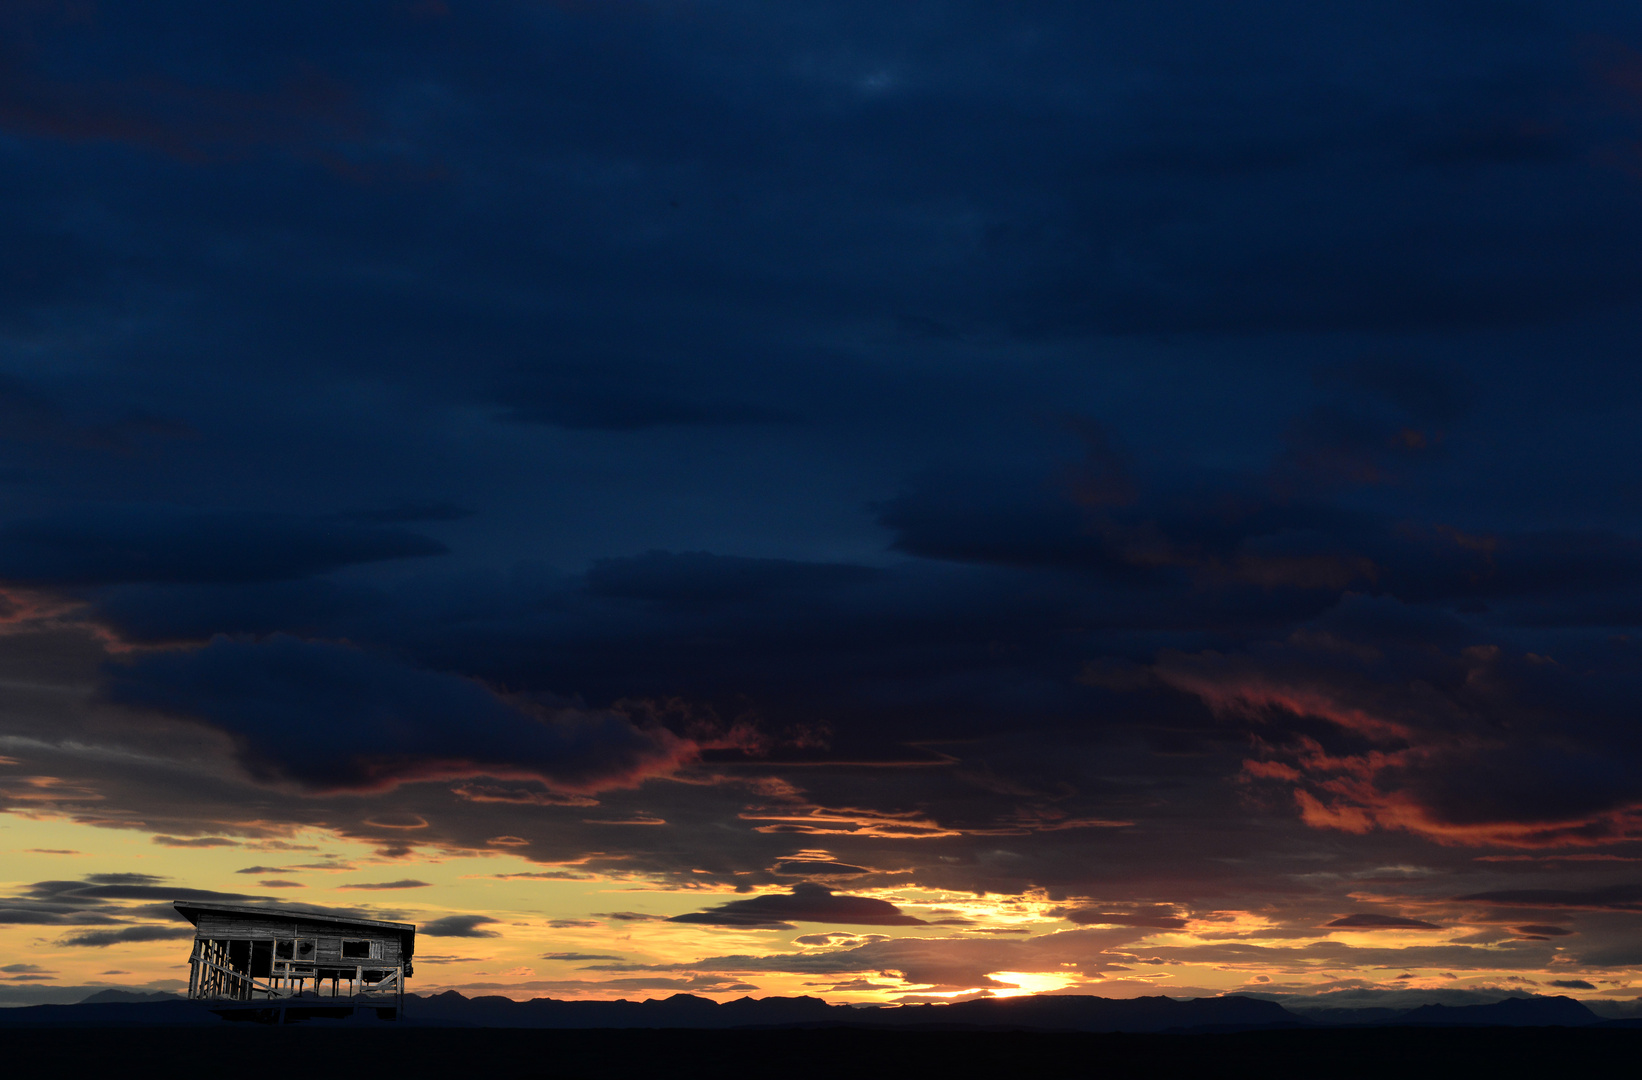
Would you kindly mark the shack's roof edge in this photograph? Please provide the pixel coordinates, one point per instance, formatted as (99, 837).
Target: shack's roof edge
(192, 910)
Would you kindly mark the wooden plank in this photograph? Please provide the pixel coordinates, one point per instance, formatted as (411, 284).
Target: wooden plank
(389, 946)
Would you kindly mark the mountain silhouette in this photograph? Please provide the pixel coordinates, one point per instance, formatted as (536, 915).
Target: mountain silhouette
(1046, 1013)
(1512, 1012)
(126, 997)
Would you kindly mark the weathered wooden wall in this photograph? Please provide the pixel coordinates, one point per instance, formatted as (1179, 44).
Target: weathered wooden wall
(328, 937)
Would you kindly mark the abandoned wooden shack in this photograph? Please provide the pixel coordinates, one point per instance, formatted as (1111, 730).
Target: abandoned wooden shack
(281, 958)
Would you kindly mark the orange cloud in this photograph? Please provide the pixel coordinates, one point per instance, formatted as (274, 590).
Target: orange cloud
(1412, 730)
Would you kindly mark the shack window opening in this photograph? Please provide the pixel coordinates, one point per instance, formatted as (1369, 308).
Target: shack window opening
(283, 950)
(356, 950)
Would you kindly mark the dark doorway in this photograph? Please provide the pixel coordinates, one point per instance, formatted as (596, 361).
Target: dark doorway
(262, 959)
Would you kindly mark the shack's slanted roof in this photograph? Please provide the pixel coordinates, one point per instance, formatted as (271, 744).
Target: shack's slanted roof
(316, 920)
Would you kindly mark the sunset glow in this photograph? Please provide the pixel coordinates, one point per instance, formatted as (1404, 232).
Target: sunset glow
(892, 503)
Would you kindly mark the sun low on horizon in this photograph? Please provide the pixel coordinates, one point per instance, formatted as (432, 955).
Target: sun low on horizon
(493, 923)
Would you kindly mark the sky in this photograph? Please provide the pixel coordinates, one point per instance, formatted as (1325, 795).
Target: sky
(893, 501)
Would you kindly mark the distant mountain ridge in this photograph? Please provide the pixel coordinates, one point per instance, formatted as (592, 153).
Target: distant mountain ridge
(115, 996)
(1063, 1013)
(1046, 1013)
(1512, 1012)
(1057, 1012)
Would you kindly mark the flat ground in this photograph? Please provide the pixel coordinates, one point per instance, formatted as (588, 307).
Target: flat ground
(387, 1053)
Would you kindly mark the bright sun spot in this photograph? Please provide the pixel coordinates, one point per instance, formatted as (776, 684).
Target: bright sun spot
(1031, 982)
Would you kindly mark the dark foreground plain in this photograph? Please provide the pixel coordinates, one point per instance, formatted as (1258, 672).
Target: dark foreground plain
(461, 1054)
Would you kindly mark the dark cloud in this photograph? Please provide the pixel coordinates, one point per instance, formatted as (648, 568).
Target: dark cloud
(824, 939)
(125, 878)
(1573, 984)
(1366, 920)
(113, 900)
(126, 935)
(462, 926)
(699, 579)
(1096, 917)
(409, 513)
(807, 902)
(403, 883)
(1625, 896)
(1378, 715)
(620, 393)
(298, 868)
(799, 866)
(32, 416)
(49, 915)
(394, 722)
(172, 613)
(115, 544)
(571, 956)
(449, 959)
(192, 121)
(98, 888)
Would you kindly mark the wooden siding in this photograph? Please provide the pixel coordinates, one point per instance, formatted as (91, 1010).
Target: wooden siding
(386, 948)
